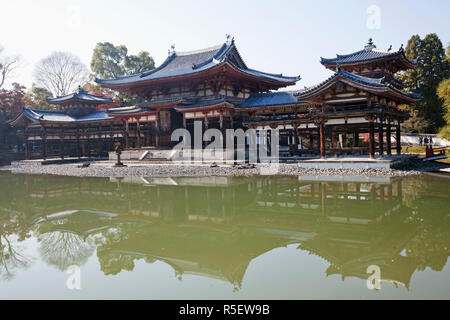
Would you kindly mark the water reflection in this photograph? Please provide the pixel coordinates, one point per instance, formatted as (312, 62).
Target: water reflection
(214, 227)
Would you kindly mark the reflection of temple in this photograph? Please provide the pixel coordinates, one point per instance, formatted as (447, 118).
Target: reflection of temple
(215, 227)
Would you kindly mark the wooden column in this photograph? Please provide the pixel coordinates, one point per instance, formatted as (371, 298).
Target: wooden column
(27, 149)
(157, 128)
(291, 142)
(356, 138)
(371, 139)
(61, 143)
(388, 138)
(334, 143)
(296, 142)
(398, 138)
(44, 144)
(206, 121)
(61, 147)
(138, 132)
(88, 144)
(322, 139)
(380, 136)
(127, 133)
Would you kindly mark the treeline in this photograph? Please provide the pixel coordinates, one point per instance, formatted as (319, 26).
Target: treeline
(430, 78)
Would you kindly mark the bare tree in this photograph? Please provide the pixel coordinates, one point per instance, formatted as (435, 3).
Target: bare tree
(60, 73)
(7, 65)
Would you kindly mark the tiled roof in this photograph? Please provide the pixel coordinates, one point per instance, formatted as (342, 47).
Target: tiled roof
(370, 82)
(80, 95)
(202, 104)
(57, 116)
(124, 110)
(367, 54)
(268, 99)
(186, 63)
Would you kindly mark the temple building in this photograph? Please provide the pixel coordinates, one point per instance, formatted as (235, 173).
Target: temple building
(206, 85)
(215, 86)
(361, 97)
(356, 111)
(77, 129)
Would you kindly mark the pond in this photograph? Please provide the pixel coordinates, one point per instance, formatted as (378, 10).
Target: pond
(224, 238)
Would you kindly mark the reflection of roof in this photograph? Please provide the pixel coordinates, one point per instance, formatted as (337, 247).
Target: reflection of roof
(188, 63)
(80, 95)
(61, 117)
(196, 251)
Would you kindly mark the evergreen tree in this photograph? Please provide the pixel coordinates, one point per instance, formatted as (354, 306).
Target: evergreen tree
(432, 67)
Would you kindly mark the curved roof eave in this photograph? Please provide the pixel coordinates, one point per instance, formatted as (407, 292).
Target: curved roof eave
(352, 79)
(249, 72)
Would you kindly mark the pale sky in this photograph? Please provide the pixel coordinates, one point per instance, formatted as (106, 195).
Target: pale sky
(280, 36)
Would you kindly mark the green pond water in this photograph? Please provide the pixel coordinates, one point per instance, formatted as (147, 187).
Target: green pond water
(224, 238)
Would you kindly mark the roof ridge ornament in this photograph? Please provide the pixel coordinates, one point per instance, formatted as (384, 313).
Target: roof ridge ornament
(80, 89)
(370, 45)
(229, 36)
(171, 50)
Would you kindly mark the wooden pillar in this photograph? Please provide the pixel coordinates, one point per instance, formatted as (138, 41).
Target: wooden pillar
(44, 147)
(127, 133)
(138, 132)
(61, 143)
(157, 128)
(78, 147)
(296, 142)
(371, 139)
(388, 138)
(398, 138)
(206, 121)
(291, 142)
(61, 147)
(322, 139)
(184, 120)
(83, 148)
(27, 148)
(380, 137)
(89, 145)
(334, 143)
(356, 138)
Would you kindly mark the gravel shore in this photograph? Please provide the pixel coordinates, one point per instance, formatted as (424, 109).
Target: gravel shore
(106, 169)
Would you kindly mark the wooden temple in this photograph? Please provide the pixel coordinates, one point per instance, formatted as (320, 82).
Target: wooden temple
(355, 111)
(76, 129)
(206, 85)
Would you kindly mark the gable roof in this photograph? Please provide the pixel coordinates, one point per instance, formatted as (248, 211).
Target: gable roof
(269, 99)
(36, 115)
(187, 63)
(375, 85)
(80, 95)
(369, 53)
